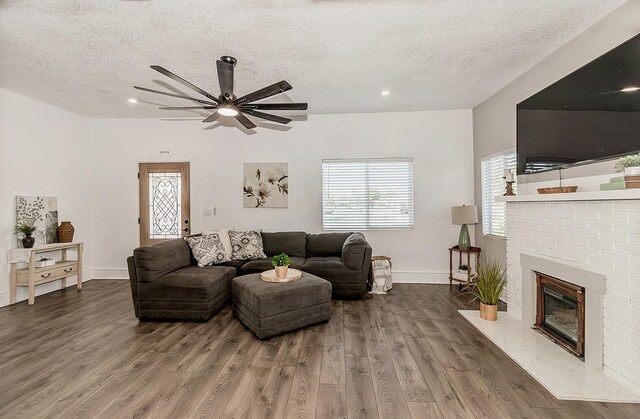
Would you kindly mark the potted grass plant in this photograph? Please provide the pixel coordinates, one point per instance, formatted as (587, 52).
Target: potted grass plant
(488, 286)
(630, 164)
(26, 229)
(281, 264)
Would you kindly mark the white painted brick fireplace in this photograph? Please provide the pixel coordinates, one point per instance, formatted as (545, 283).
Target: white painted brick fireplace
(599, 236)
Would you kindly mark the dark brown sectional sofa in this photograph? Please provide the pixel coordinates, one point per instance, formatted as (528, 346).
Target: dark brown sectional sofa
(166, 283)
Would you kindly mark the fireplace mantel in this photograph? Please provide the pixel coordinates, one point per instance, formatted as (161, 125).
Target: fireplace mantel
(576, 196)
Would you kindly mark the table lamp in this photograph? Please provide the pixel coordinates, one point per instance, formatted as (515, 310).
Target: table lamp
(463, 215)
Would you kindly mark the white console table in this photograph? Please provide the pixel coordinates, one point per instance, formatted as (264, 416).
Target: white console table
(32, 276)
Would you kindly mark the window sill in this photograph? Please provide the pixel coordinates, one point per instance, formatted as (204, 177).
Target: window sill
(493, 236)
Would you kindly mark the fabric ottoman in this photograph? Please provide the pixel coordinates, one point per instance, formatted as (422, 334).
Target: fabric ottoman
(269, 309)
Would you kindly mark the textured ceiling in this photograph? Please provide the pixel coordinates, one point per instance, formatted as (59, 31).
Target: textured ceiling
(85, 56)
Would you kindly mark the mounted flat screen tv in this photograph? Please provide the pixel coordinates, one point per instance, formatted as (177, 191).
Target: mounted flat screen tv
(591, 114)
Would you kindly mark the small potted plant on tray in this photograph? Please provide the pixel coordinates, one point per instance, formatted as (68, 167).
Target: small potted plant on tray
(488, 286)
(630, 164)
(281, 264)
(26, 229)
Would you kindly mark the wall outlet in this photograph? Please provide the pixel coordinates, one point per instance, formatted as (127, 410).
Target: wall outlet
(208, 212)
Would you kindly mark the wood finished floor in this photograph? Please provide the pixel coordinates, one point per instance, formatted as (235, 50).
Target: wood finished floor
(408, 354)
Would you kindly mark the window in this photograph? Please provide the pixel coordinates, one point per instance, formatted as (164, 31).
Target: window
(367, 194)
(492, 171)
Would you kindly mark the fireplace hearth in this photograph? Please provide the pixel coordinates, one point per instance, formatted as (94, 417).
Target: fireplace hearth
(560, 312)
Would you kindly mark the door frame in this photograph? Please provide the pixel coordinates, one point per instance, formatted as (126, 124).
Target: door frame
(144, 168)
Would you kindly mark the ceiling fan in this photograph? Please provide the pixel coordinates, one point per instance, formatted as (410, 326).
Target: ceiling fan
(227, 104)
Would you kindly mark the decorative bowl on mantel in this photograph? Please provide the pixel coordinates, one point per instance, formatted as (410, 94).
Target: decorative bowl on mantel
(558, 189)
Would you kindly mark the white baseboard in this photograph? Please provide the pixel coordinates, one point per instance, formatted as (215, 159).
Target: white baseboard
(109, 273)
(420, 277)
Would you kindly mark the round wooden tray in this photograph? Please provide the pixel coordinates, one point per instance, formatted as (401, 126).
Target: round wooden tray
(270, 276)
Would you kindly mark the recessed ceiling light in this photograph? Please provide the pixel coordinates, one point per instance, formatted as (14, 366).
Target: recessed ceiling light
(630, 89)
(133, 100)
(227, 111)
(385, 93)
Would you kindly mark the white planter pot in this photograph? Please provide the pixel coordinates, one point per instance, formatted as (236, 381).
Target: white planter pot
(632, 171)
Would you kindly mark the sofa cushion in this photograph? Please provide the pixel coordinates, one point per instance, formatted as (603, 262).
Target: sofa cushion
(326, 244)
(236, 264)
(246, 245)
(155, 261)
(331, 268)
(190, 284)
(264, 264)
(293, 243)
(207, 249)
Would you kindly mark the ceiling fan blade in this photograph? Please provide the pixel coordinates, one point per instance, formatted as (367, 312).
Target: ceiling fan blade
(276, 106)
(246, 122)
(225, 77)
(179, 79)
(212, 117)
(267, 116)
(173, 95)
(178, 108)
(265, 92)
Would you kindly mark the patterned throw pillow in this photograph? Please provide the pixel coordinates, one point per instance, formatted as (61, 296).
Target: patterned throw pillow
(246, 245)
(207, 249)
(224, 236)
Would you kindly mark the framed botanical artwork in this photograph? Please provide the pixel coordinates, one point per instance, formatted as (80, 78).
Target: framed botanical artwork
(266, 185)
(41, 212)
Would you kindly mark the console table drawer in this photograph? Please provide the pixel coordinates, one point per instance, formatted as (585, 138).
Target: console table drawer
(49, 273)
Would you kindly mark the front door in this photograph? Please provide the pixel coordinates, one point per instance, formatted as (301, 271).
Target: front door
(164, 201)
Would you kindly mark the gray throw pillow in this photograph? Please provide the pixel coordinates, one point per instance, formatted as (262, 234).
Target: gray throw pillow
(207, 249)
(246, 245)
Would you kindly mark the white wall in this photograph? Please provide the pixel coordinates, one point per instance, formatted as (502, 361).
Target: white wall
(494, 121)
(43, 151)
(440, 143)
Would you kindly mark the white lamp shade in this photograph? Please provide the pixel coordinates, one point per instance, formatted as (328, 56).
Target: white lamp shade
(465, 214)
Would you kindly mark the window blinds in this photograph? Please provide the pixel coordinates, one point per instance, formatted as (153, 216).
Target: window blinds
(367, 194)
(492, 172)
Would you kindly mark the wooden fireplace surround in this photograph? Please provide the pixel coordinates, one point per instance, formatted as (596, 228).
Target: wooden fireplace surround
(566, 288)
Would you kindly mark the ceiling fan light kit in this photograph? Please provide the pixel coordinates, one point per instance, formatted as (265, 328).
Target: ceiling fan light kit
(227, 104)
(227, 110)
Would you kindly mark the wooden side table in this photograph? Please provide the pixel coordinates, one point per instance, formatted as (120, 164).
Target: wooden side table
(471, 275)
(32, 276)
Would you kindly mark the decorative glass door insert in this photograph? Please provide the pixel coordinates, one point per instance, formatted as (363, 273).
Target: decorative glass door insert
(164, 205)
(164, 201)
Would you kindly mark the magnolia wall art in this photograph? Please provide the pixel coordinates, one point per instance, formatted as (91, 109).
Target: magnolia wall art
(266, 185)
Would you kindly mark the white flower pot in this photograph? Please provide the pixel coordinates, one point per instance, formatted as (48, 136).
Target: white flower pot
(632, 171)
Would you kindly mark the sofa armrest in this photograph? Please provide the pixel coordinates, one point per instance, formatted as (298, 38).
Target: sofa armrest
(155, 261)
(133, 278)
(355, 250)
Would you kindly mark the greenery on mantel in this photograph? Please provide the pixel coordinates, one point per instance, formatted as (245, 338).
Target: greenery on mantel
(632, 160)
